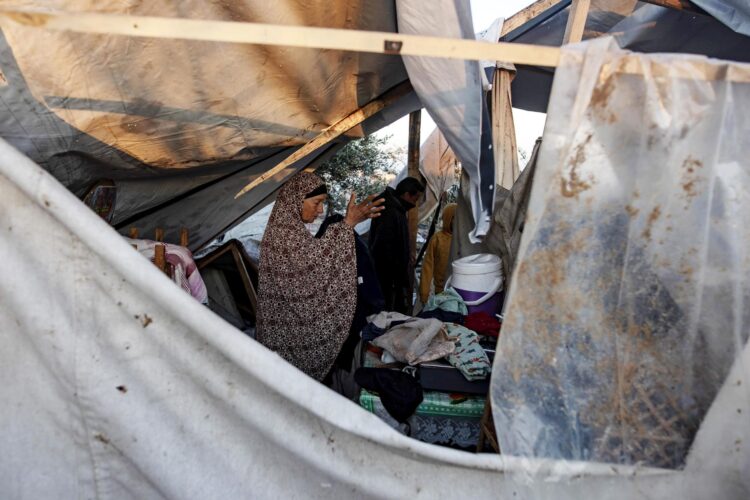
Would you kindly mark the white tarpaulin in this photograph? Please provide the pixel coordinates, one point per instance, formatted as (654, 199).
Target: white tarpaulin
(451, 90)
(630, 303)
(117, 384)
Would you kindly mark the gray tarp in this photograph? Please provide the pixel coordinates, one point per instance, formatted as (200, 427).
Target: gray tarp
(733, 13)
(636, 26)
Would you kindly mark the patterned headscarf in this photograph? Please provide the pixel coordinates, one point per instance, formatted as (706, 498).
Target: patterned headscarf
(307, 288)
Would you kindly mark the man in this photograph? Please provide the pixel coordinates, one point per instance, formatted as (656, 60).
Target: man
(389, 244)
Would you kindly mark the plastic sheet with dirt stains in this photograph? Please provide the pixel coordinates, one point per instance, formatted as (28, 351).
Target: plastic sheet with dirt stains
(629, 304)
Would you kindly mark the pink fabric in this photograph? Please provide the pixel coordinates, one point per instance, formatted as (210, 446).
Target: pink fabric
(186, 273)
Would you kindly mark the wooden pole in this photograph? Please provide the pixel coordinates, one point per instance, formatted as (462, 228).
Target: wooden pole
(134, 233)
(184, 238)
(159, 234)
(160, 258)
(685, 5)
(284, 35)
(579, 10)
(331, 133)
(415, 125)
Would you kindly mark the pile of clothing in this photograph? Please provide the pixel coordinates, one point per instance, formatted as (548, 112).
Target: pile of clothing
(443, 330)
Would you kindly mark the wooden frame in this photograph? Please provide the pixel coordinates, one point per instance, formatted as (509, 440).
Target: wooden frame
(239, 256)
(290, 36)
(579, 11)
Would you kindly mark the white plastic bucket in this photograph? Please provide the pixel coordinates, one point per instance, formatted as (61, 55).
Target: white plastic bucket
(479, 280)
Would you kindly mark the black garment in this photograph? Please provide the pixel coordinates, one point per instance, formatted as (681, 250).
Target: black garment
(369, 297)
(399, 392)
(389, 247)
(444, 316)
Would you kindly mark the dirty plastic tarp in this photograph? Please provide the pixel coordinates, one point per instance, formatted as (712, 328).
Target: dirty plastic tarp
(629, 306)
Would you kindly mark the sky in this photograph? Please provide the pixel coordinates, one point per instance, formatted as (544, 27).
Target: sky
(529, 125)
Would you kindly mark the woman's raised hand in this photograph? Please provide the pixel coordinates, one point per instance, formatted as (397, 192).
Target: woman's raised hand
(367, 209)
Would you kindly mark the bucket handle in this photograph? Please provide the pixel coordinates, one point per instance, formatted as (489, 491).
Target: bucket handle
(481, 300)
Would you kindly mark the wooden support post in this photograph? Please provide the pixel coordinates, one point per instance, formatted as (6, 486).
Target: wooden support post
(579, 10)
(160, 258)
(245, 276)
(159, 234)
(415, 125)
(487, 431)
(184, 238)
(134, 233)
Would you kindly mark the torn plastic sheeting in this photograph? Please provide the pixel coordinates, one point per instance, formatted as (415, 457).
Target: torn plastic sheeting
(629, 303)
(451, 90)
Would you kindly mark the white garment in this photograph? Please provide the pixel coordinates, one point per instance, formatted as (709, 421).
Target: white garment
(417, 341)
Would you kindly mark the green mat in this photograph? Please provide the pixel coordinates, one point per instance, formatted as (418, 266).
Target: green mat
(435, 404)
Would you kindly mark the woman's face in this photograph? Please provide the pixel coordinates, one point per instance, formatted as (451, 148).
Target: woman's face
(312, 207)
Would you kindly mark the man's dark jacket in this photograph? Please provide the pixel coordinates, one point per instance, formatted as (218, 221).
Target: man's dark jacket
(389, 248)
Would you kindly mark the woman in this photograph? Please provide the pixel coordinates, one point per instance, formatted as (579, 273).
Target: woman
(307, 288)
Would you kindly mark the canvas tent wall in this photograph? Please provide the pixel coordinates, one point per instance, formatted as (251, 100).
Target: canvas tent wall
(178, 123)
(168, 118)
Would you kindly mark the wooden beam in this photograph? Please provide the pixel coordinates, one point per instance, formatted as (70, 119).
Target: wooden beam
(685, 5)
(332, 133)
(159, 234)
(525, 15)
(579, 10)
(284, 35)
(184, 237)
